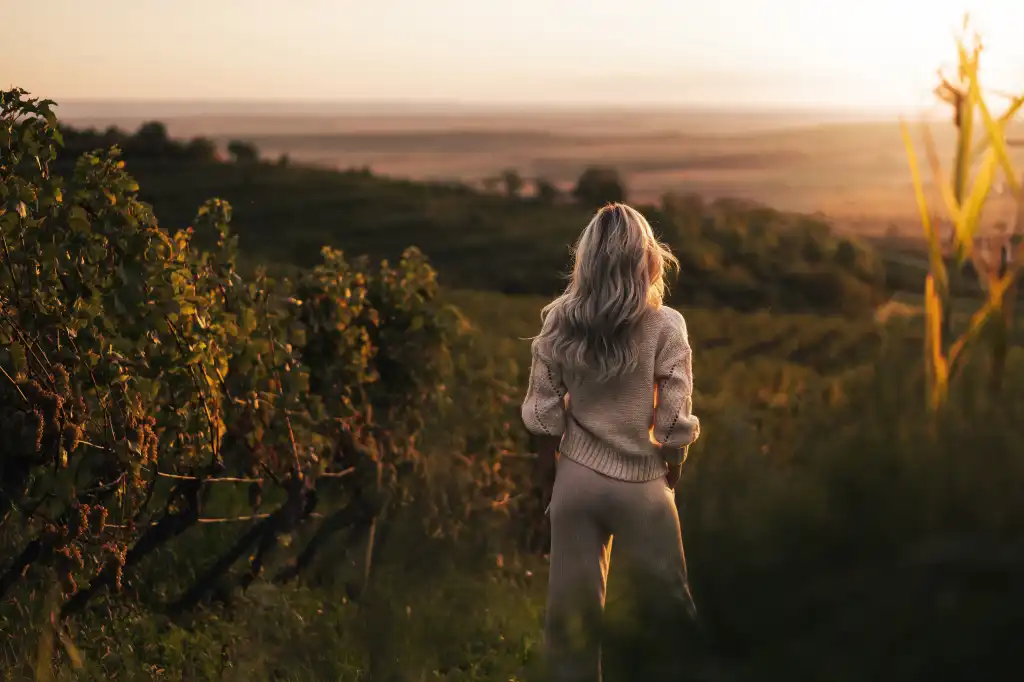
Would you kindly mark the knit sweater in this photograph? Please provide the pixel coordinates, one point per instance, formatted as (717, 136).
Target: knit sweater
(619, 427)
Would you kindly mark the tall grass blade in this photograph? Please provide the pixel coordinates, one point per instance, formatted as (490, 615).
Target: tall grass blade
(979, 321)
(938, 177)
(1005, 119)
(937, 265)
(996, 136)
(938, 373)
(971, 209)
(962, 165)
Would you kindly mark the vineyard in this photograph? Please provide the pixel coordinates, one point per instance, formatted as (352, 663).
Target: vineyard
(218, 465)
(150, 390)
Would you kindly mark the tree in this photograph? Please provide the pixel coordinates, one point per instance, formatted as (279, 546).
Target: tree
(599, 185)
(243, 152)
(151, 139)
(512, 181)
(846, 254)
(201, 149)
(546, 191)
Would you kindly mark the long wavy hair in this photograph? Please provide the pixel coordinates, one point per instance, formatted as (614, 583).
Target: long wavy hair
(618, 275)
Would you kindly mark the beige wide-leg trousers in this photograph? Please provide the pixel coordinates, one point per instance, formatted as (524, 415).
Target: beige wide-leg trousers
(587, 510)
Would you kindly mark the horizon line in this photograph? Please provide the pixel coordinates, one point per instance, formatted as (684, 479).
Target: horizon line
(553, 105)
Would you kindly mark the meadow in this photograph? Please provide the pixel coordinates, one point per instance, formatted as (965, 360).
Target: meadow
(835, 530)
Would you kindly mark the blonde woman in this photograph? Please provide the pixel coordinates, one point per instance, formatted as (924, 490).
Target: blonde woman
(610, 392)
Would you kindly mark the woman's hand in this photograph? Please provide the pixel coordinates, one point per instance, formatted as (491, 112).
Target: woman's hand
(674, 458)
(672, 475)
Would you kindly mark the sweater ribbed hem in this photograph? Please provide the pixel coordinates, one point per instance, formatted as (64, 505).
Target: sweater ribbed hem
(584, 449)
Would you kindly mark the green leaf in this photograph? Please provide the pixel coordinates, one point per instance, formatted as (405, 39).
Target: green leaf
(18, 357)
(78, 220)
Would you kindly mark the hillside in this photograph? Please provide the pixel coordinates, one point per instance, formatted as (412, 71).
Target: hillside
(735, 254)
(321, 474)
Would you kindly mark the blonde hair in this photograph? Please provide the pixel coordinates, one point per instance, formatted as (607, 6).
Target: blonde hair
(618, 275)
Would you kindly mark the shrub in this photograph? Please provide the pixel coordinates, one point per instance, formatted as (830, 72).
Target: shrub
(140, 371)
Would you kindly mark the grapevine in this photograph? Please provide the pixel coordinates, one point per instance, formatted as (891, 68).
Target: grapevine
(141, 365)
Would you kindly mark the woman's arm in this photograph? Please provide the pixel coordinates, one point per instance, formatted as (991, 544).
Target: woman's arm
(675, 425)
(543, 409)
(544, 413)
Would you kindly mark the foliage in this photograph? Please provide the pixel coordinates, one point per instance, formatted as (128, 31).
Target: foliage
(139, 370)
(964, 202)
(547, 192)
(150, 142)
(835, 528)
(512, 181)
(243, 152)
(597, 186)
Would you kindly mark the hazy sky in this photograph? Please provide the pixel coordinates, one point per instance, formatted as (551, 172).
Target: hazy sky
(778, 52)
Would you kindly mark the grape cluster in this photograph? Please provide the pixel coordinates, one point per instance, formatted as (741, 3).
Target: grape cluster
(139, 430)
(67, 560)
(64, 544)
(113, 560)
(44, 420)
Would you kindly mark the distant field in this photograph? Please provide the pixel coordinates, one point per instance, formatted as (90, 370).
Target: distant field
(854, 172)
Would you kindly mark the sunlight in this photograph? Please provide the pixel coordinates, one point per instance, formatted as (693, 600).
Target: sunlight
(891, 56)
(870, 54)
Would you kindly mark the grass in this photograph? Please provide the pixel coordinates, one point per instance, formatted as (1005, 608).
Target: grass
(818, 539)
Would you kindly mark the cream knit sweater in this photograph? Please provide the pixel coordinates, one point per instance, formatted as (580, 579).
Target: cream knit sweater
(618, 428)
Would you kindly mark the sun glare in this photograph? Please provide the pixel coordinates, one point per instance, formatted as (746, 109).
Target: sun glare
(885, 54)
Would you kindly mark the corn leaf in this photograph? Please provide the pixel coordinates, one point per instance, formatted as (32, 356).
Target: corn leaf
(996, 138)
(979, 320)
(937, 265)
(1005, 119)
(970, 212)
(938, 370)
(938, 177)
(962, 168)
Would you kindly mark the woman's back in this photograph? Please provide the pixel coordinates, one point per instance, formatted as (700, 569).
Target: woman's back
(618, 425)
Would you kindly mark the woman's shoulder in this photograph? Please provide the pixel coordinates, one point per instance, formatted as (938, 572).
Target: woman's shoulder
(668, 320)
(666, 327)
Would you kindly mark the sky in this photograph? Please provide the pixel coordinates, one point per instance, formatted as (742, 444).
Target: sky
(780, 53)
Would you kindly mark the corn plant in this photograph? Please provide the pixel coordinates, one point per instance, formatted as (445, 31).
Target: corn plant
(976, 168)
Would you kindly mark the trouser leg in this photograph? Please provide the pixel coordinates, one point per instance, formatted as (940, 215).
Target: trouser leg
(649, 553)
(580, 550)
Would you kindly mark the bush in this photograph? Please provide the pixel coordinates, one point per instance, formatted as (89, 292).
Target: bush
(546, 191)
(243, 152)
(140, 371)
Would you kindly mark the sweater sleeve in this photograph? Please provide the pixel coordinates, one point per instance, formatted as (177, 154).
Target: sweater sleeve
(675, 425)
(543, 409)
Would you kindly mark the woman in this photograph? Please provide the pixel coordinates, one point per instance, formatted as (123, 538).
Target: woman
(610, 390)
